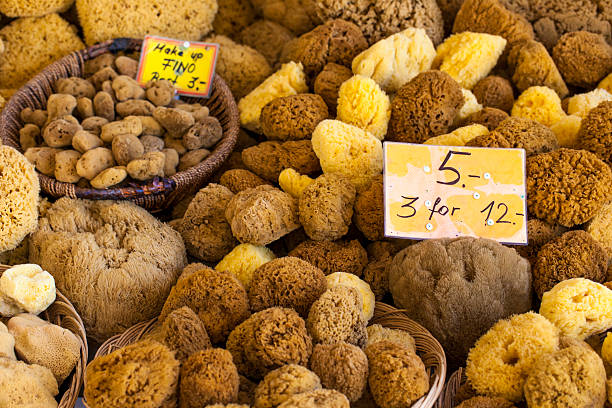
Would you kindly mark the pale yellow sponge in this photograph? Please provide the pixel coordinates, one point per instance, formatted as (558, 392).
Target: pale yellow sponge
(348, 150)
(600, 227)
(581, 104)
(289, 80)
(243, 260)
(606, 349)
(26, 288)
(293, 183)
(458, 137)
(566, 130)
(606, 83)
(353, 281)
(539, 103)
(578, 307)
(397, 59)
(469, 57)
(33, 8)
(470, 106)
(362, 103)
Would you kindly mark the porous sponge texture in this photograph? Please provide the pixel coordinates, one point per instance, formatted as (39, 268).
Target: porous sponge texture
(362, 103)
(458, 137)
(469, 57)
(107, 19)
(600, 227)
(243, 260)
(19, 189)
(539, 103)
(31, 34)
(38, 8)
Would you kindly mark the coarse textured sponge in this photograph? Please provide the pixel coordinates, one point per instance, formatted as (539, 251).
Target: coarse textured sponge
(579, 307)
(31, 34)
(362, 103)
(38, 8)
(501, 360)
(458, 137)
(397, 59)
(539, 103)
(243, 260)
(103, 20)
(600, 227)
(377, 333)
(469, 57)
(19, 189)
(281, 384)
(348, 150)
(289, 80)
(23, 385)
(350, 280)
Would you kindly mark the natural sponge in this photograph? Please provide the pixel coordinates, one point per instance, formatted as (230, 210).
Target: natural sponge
(595, 132)
(395, 60)
(217, 298)
(539, 103)
(208, 377)
(578, 307)
(281, 384)
(206, 233)
(289, 80)
(269, 159)
(501, 359)
(113, 247)
(581, 104)
(19, 189)
(468, 57)
(22, 385)
(368, 214)
(26, 288)
(460, 136)
(293, 182)
(342, 367)
(377, 333)
(328, 82)
(268, 340)
(184, 333)
(368, 299)
(424, 107)
(141, 374)
(244, 260)
(362, 103)
(267, 37)
(317, 399)
(293, 117)
(397, 376)
(262, 215)
(17, 67)
(348, 150)
(494, 92)
(104, 19)
(330, 257)
(574, 254)
(600, 227)
(567, 186)
(583, 58)
(286, 282)
(16, 8)
(460, 268)
(295, 15)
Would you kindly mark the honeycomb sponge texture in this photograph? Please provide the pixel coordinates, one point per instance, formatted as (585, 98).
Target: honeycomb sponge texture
(21, 8)
(16, 66)
(19, 189)
(23, 385)
(362, 103)
(539, 103)
(107, 19)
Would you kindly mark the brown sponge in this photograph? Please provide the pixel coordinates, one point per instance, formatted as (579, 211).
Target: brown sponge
(369, 211)
(238, 180)
(333, 256)
(494, 92)
(327, 83)
(539, 233)
(595, 134)
(184, 333)
(268, 159)
(583, 58)
(267, 37)
(281, 384)
(486, 402)
(232, 17)
(293, 117)
(488, 117)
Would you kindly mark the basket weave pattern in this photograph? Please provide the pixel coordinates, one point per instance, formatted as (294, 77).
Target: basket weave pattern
(63, 314)
(34, 94)
(428, 348)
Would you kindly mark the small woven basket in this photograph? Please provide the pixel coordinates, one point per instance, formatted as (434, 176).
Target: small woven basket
(428, 348)
(153, 195)
(63, 314)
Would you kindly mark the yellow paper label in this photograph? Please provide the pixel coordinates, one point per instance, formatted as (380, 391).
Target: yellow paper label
(450, 191)
(189, 65)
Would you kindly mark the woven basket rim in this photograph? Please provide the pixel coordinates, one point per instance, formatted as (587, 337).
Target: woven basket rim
(169, 194)
(70, 318)
(428, 348)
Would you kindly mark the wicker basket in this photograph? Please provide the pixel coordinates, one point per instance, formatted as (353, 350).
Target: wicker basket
(428, 348)
(63, 314)
(153, 195)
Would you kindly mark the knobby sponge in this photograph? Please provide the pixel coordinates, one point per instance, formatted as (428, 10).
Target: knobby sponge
(353, 281)
(469, 57)
(269, 159)
(19, 190)
(105, 19)
(31, 33)
(293, 117)
(328, 82)
(501, 360)
(296, 15)
(184, 333)
(583, 58)
(333, 256)
(368, 214)
(395, 60)
(494, 92)
(267, 37)
(377, 333)
(362, 103)
(23, 385)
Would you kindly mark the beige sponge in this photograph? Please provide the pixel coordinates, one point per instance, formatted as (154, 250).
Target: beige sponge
(21, 8)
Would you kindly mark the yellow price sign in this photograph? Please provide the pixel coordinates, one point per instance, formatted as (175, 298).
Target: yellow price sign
(450, 191)
(189, 65)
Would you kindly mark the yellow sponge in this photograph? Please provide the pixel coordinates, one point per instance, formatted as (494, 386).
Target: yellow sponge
(458, 137)
(289, 80)
(469, 57)
(606, 83)
(107, 19)
(606, 350)
(539, 103)
(31, 44)
(581, 104)
(566, 130)
(2, 103)
(293, 183)
(362, 103)
(33, 8)
(243, 260)
(470, 105)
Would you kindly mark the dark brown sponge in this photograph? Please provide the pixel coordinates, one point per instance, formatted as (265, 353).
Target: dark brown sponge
(595, 133)
(494, 92)
(369, 212)
(424, 107)
(539, 233)
(327, 84)
(267, 37)
(184, 333)
(488, 117)
(486, 402)
(333, 256)
(380, 254)
(238, 180)
(583, 58)
(574, 254)
(286, 282)
(293, 117)
(567, 186)
(268, 159)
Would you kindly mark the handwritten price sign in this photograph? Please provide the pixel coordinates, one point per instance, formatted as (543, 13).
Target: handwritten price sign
(190, 66)
(449, 191)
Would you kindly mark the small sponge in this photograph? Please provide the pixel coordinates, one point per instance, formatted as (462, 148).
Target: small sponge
(539, 103)
(243, 260)
(362, 103)
(26, 287)
(458, 137)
